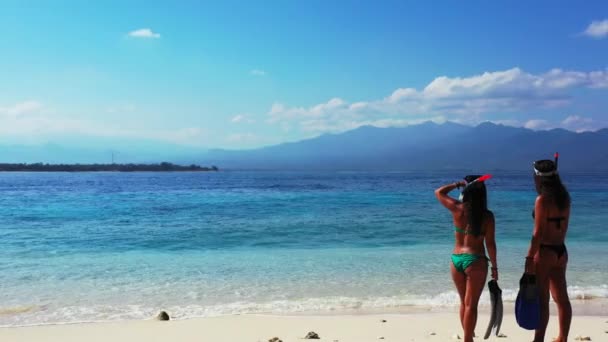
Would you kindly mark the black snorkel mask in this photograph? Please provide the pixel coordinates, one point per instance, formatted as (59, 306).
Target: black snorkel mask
(547, 173)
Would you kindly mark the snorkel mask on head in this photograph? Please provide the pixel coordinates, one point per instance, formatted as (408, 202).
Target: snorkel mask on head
(469, 184)
(546, 173)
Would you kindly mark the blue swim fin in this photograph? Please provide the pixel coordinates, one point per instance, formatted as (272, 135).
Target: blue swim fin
(527, 304)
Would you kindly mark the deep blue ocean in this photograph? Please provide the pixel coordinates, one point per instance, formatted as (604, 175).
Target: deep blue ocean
(112, 246)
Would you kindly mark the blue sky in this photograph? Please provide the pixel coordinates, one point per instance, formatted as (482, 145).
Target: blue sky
(245, 74)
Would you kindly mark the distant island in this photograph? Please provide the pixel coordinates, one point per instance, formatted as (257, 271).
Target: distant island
(162, 167)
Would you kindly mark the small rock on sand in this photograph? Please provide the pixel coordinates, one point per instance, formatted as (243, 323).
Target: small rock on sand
(383, 321)
(163, 316)
(582, 338)
(433, 333)
(456, 337)
(275, 339)
(312, 336)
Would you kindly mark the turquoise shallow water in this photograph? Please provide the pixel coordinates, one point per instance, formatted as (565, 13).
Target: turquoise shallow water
(106, 246)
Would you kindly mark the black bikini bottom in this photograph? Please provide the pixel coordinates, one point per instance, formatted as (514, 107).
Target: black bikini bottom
(560, 250)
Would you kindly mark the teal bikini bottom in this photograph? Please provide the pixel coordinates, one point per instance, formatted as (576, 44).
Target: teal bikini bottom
(463, 261)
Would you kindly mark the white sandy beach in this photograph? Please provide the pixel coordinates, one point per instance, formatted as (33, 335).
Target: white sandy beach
(254, 328)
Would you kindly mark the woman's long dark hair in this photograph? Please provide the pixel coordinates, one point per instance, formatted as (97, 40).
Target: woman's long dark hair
(552, 186)
(475, 201)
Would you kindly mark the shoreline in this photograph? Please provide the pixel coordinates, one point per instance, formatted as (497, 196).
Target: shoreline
(596, 307)
(260, 327)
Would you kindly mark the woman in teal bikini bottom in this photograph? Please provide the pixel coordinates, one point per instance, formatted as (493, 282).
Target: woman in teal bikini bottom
(469, 265)
(464, 260)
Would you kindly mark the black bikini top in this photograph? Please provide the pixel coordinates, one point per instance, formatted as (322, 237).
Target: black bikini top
(557, 220)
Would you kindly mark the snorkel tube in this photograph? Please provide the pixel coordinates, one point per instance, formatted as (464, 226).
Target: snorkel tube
(556, 156)
(480, 179)
(477, 180)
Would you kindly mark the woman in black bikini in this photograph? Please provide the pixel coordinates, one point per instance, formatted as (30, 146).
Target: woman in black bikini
(547, 256)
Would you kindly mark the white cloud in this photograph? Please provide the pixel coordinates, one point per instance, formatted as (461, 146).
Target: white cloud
(460, 99)
(597, 29)
(598, 79)
(336, 115)
(31, 119)
(319, 126)
(402, 94)
(575, 123)
(278, 112)
(257, 72)
(144, 33)
(242, 118)
(42, 127)
(21, 108)
(358, 106)
(507, 122)
(580, 124)
(538, 124)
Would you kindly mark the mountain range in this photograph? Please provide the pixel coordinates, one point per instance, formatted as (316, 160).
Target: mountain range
(427, 146)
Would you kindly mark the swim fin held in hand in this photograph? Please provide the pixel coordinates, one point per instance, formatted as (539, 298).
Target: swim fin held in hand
(496, 314)
(499, 308)
(527, 304)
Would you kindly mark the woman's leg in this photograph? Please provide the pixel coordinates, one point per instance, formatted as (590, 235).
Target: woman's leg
(460, 280)
(476, 279)
(559, 291)
(544, 262)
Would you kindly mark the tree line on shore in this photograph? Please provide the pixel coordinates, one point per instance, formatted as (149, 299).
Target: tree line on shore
(161, 167)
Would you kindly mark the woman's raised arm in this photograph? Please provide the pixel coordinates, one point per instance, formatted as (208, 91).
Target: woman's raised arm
(442, 195)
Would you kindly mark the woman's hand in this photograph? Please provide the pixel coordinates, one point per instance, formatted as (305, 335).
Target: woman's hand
(494, 273)
(447, 201)
(529, 268)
